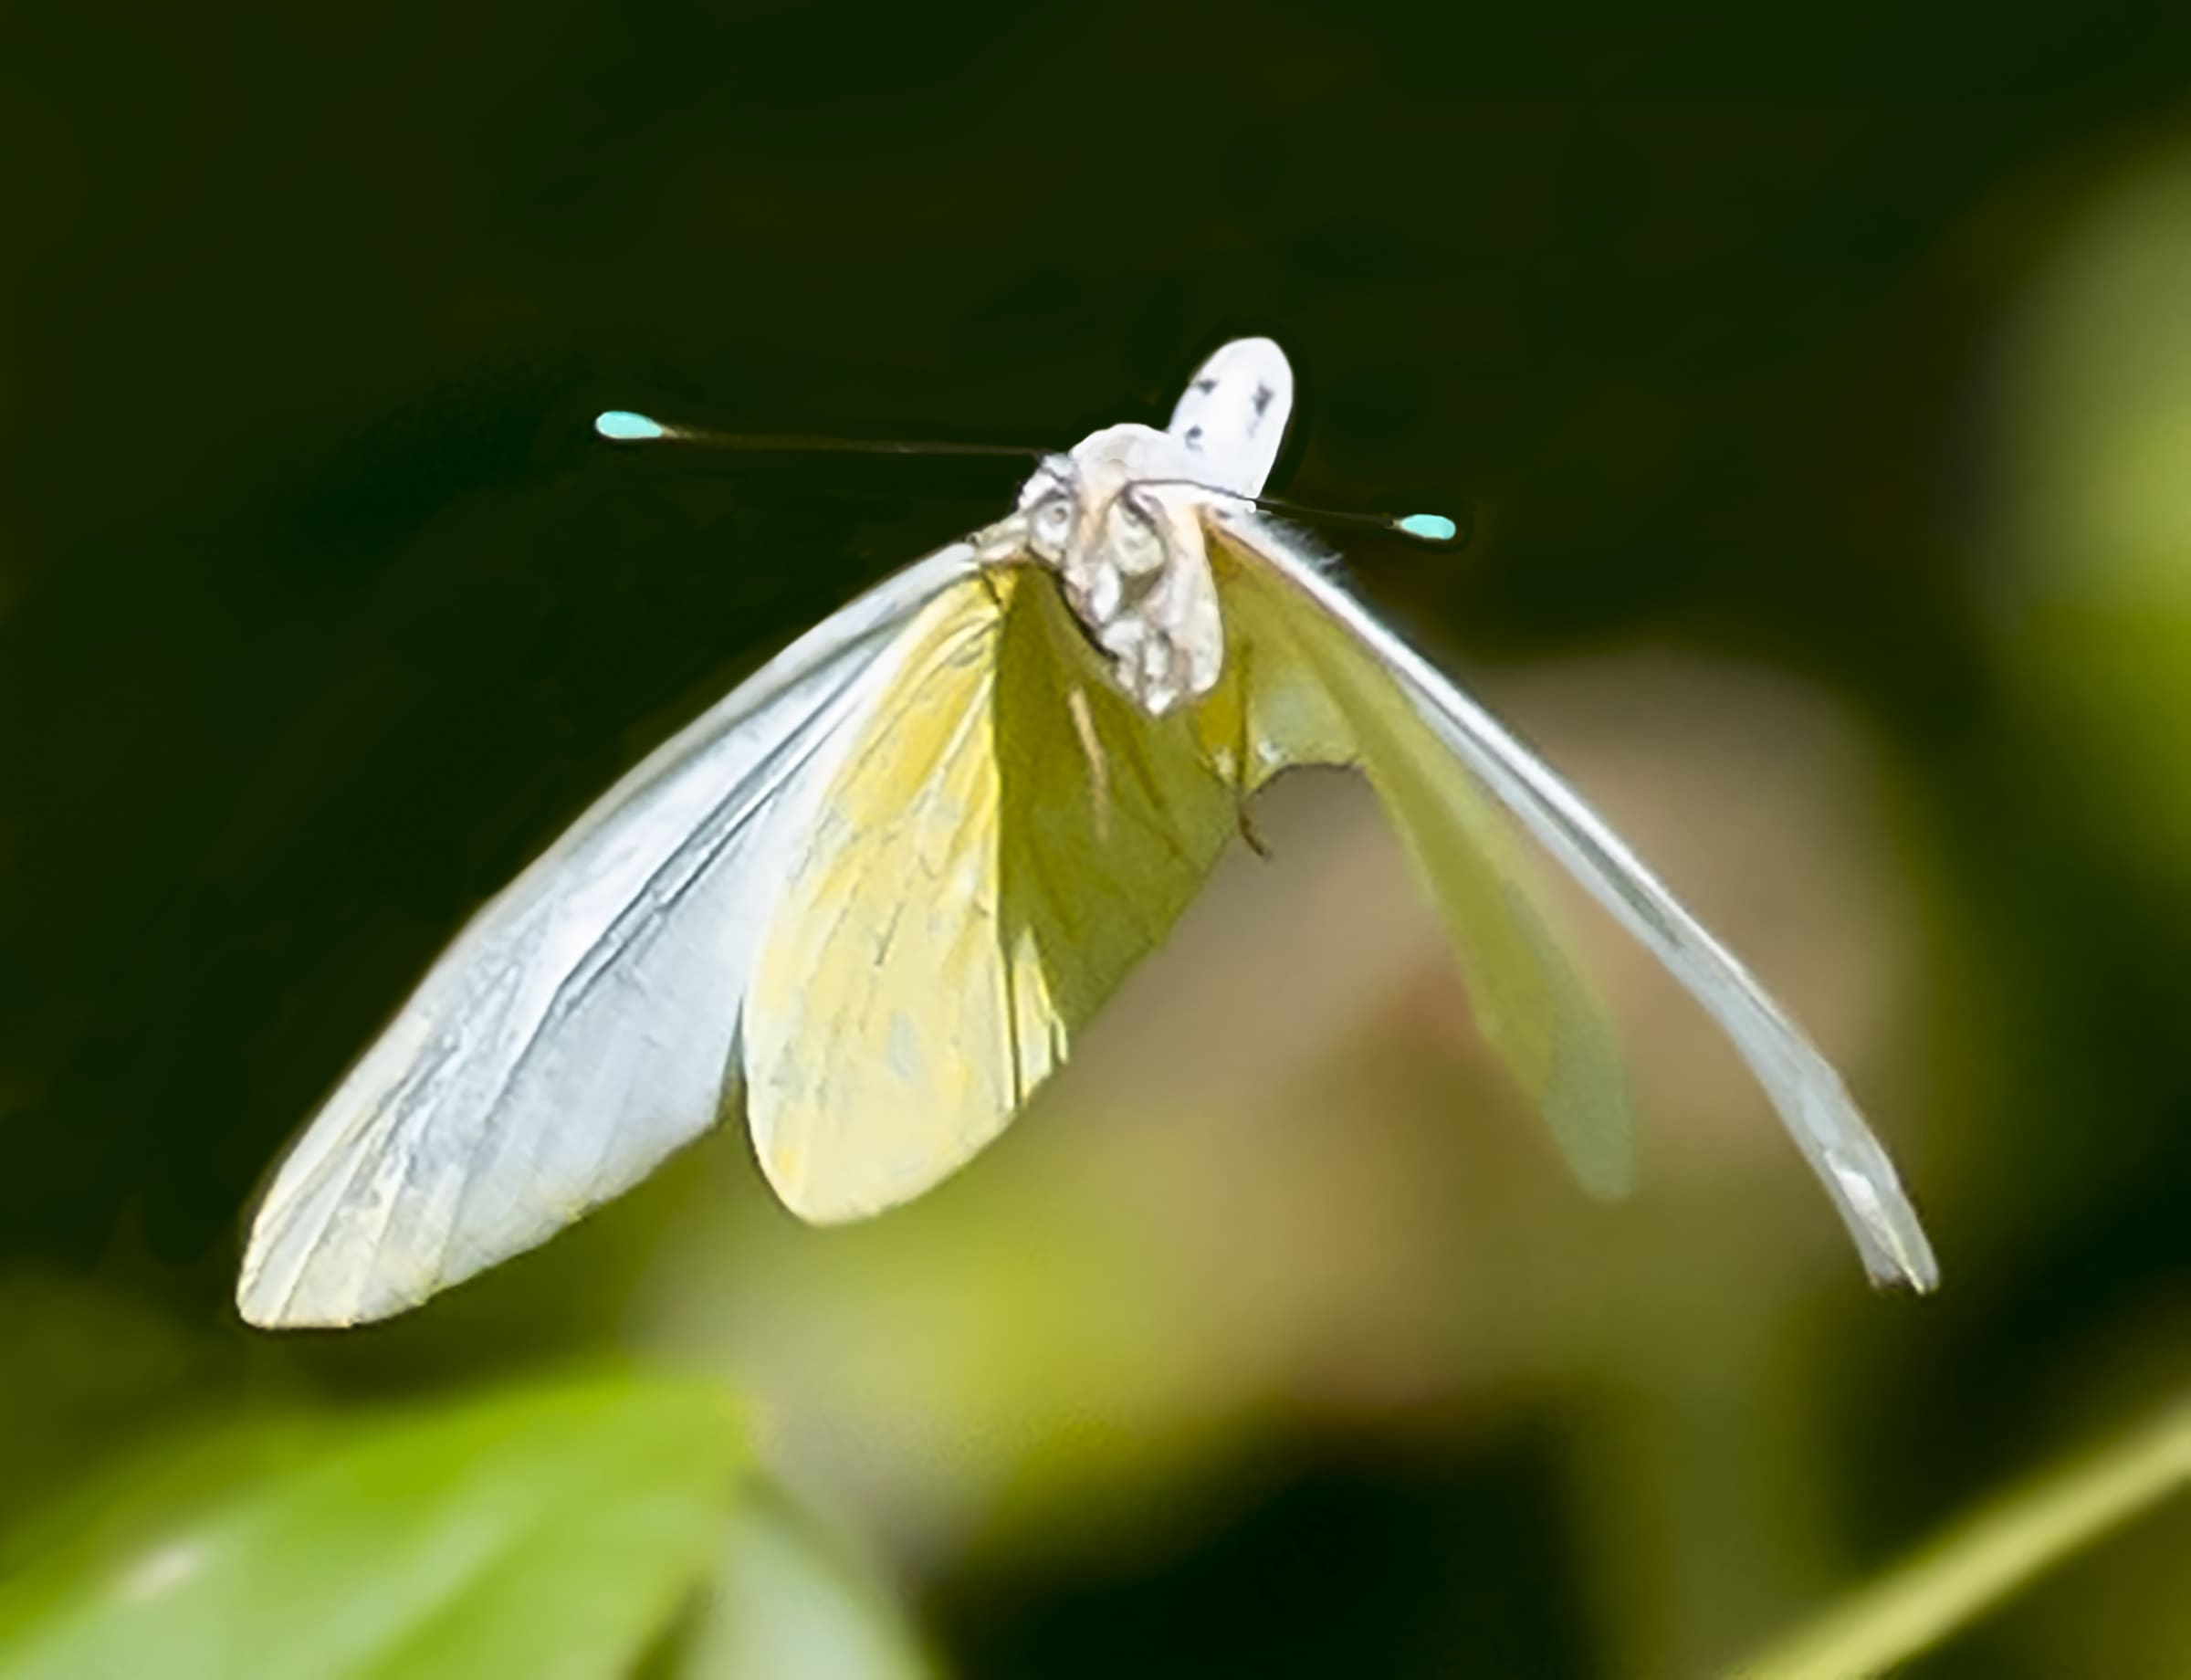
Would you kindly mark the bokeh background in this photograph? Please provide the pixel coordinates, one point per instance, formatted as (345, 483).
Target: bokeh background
(1823, 389)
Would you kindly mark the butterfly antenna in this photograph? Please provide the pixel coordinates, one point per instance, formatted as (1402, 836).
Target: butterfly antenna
(621, 426)
(624, 425)
(1434, 529)
(1431, 528)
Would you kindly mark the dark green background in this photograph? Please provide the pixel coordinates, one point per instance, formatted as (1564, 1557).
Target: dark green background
(320, 609)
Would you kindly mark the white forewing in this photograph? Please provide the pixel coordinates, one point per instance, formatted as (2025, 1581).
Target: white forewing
(1233, 415)
(584, 1025)
(1811, 1100)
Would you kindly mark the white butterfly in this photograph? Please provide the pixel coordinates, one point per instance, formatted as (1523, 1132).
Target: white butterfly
(881, 885)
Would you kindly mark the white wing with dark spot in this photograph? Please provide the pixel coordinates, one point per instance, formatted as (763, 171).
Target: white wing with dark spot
(1233, 413)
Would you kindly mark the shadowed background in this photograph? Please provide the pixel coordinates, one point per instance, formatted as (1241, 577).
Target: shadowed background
(1823, 393)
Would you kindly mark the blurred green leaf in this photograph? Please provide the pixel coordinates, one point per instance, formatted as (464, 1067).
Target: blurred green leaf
(547, 1533)
(784, 1602)
(2091, 542)
(1977, 1564)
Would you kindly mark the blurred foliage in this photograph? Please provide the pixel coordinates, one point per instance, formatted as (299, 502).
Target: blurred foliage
(783, 1600)
(2092, 520)
(1922, 1601)
(550, 1531)
(1821, 387)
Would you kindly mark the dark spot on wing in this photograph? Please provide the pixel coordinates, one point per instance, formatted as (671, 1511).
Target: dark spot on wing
(1205, 385)
(1194, 437)
(1264, 394)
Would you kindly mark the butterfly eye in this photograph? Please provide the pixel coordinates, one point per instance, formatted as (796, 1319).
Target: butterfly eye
(1049, 524)
(1136, 544)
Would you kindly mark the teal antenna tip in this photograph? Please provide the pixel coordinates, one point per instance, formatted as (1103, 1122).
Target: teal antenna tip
(1427, 527)
(621, 426)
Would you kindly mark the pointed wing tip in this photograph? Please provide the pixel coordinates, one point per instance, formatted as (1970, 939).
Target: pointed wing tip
(1611, 1178)
(806, 1202)
(260, 1301)
(1903, 1266)
(271, 1315)
(1599, 1138)
(257, 1302)
(824, 1200)
(264, 1309)
(308, 1302)
(1895, 1280)
(1885, 1227)
(263, 1319)
(1608, 1189)
(1869, 1195)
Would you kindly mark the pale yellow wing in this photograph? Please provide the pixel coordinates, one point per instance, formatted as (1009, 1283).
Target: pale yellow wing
(1003, 840)
(1813, 1104)
(1301, 687)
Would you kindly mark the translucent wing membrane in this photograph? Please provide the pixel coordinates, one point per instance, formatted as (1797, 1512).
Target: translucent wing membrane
(1308, 691)
(1004, 840)
(583, 1025)
(1809, 1095)
(1006, 837)
(889, 880)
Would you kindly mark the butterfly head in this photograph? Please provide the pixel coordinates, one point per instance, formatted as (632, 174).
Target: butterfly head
(1120, 522)
(1121, 532)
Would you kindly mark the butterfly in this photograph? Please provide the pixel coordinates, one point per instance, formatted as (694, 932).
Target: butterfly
(876, 893)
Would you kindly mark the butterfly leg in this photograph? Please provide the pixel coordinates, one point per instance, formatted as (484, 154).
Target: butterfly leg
(1255, 842)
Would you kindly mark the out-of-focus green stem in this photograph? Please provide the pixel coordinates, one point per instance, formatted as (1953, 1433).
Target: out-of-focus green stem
(1985, 1557)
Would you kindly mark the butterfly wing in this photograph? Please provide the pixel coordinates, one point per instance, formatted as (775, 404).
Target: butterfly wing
(1005, 838)
(1811, 1100)
(1234, 412)
(583, 1024)
(1307, 690)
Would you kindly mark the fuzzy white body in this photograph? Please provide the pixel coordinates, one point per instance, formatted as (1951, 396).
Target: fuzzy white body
(1119, 521)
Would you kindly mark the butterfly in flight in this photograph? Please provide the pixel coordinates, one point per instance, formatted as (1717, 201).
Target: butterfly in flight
(874, 894)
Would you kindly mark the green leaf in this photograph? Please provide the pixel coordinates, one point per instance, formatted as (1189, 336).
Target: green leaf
(784, 1602)
(546, 1532)
(1983, 1560)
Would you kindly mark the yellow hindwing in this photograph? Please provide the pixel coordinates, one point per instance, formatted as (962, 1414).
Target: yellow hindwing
(1302, 689)
(1005, 837)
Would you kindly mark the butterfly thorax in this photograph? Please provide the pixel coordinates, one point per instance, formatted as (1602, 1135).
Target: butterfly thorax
(1118, 523)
